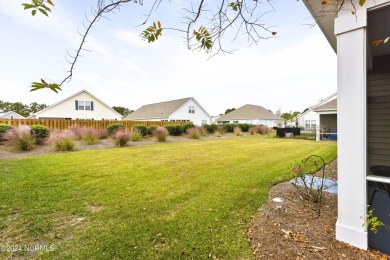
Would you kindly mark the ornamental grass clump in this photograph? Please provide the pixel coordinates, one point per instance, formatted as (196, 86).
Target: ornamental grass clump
(121, 137)
(77, 131)
(161, 134)
(252, 130)
(20, 138)
(193, 133)
(3, 129)
(237, 131)
(102, 134)
(262, 129)
(89, 135)
(136, 135)
(201, 130)
(63, 140)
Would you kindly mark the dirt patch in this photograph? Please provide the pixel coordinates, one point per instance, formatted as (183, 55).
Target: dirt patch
(296, 233)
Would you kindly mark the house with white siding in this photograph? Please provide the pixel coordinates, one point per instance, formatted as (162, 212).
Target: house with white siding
(251, 114)
(82, 105)
(10, 115)
(185, 109)
(363, 107)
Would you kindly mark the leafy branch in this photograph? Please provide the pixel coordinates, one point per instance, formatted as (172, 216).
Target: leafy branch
(38, 5)
(152, 32)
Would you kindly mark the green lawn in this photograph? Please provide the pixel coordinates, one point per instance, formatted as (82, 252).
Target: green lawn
(169, 200)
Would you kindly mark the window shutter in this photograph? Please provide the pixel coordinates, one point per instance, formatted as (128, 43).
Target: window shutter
(77, 104)
(91, 105)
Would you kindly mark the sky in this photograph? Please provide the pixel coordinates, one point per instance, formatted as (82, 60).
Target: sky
(291, 71)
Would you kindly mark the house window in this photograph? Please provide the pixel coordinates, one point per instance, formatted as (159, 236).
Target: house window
(310, 124)
(84, 105)
(235, 122)
(87, 105)
(191, 109)
(81, 105)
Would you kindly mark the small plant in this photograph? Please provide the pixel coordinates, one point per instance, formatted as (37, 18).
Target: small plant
(151, 129)
(161, 134)
(63, 140)
(136, 135)
(77, 131)
(3, 129)
(142, 129)
(187, 126)
(237, 131)
(111, 129)
(252, 130)
(89, 135)
(102, 134)
(20, 138)
(40, 132)
(373, 222)
(121, 137)
(193, 133)
(175, 130)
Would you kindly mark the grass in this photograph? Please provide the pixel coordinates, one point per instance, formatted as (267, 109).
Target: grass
(162, 201)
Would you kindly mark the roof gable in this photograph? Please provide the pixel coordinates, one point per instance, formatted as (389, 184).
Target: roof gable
(251, 112)
(74, 95)
(329, 106)
(158, 110)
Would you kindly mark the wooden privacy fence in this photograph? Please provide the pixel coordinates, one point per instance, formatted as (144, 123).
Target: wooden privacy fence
(96, 124)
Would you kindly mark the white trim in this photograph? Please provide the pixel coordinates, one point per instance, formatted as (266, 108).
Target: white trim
(351, 236)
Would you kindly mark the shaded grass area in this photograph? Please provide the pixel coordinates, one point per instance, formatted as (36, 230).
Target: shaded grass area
(167, 200)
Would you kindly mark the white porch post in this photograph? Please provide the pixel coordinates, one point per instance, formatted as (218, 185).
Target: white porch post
(351, 120)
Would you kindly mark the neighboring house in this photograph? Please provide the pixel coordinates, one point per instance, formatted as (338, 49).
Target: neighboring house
(310, 119)
(363, 97)
(81, 105)
(10, 115)
(327, 114)
(186, 109)
(251, 114)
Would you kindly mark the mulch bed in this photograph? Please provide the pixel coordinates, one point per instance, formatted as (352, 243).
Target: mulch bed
(296, 232)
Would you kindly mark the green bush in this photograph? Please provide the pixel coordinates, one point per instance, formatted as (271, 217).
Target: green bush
(245, 127)
(174, 129)
(210, 128)
(187, 126)
(113, 128)
(40, 133)
(3, 129)
(143, 129)
(152, 128)
(229, 128)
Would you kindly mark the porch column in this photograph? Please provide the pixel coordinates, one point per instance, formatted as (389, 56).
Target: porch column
(351, 120)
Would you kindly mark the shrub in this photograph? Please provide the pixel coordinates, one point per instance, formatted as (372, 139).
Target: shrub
(143, 129)
(187, 126)
(136, 135)
(3, 129)
(262, 129)
(161, 134)
(63, 140)
(20, 138)
(121, 137)
(40, 132)
(151, 129)
(193, 133)
(221, 129)
(252, 130)
(174, 129)
(89, 135)
(245, 127)
(111, 129)
(77, 131)
(102, 134)
(210, 128)
(229, 128)
(237, 131)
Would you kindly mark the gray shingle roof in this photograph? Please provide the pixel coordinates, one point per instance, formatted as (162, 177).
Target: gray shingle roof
(331, 105)
(250, 112)
(157, 110)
